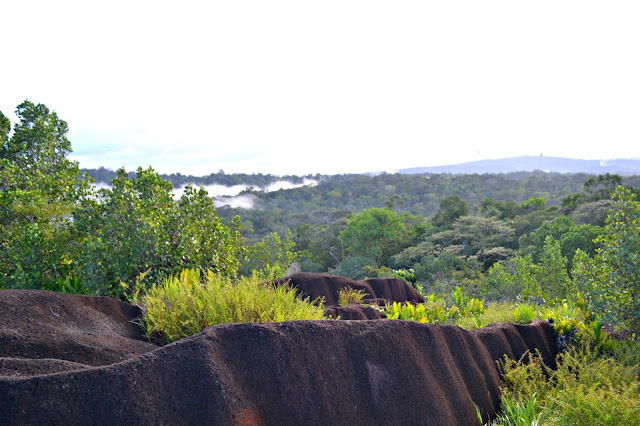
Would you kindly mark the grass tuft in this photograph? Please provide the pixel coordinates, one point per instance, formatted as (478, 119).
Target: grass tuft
(181, 306)
(349, 295)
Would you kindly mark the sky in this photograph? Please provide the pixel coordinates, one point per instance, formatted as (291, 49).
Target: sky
(301, 87)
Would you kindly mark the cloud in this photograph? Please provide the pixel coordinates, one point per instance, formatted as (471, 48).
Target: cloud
(285, 184)
(214, 190)
(245, 201)
(229, 195)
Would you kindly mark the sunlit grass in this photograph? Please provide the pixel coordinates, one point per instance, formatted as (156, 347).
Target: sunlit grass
(183, 305)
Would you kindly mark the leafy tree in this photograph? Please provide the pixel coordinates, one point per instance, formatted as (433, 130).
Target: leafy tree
(137, 226)
(451, 208)
(481, 238)
(594, 189)
(527, 223)
(502, 209)
(5, 128)
(581, 237)
(533, 243)
(271, 257)
(39, 188)
(355, 267)
(511, 280)
(592, 212)
(611, 279)
(374, 233)
(532, 204)
(553, 276)
(602, 187)
(522, 278)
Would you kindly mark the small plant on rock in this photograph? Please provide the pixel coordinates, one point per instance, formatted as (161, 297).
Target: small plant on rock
(349, 295)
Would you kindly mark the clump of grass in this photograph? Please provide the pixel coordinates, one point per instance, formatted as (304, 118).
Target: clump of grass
(349, 295)
(183, 305)
(524, 314)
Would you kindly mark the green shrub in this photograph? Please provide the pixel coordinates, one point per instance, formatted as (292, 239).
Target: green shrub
(137, 226)
(610, 280)
(183, 305)
(587, 388)
(350, 295)
(524, 314)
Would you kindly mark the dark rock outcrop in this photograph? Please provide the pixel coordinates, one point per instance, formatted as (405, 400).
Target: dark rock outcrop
(87, 330)
(378, 290)
(385, 372)
(354, 312)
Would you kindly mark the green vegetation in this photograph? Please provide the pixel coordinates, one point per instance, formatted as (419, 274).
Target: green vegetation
(58, 233)
(587, 388)
(481, 248)
(137, 226)
(39, 188)
(181, 306)
(349, 295)
(437, 310)
(270, 257)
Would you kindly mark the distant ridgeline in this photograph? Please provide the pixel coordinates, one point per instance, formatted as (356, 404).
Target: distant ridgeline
(624, 167)
(221, 178)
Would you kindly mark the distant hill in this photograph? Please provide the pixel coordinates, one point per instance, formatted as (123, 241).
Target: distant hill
(529, 164)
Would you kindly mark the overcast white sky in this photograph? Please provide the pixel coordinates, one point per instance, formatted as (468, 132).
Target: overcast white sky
(299, 87)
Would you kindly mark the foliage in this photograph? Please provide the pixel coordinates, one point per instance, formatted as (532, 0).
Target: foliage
(183, 305)
(436, 310)
(521, 278)
(524, 313)
(480, 238)
(451, 208)
(405, 274)
(354, 267)
(39, 187)
(512, 280)
(588, 387)
(611, 279)
(407, 311)
(409, 276)
(373, 233)
(271, 257)
(349, 295)
(137, 226)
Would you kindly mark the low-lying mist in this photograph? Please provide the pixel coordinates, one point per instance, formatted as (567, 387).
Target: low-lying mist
(231, 195)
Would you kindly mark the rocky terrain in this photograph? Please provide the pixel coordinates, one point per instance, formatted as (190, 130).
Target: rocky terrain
(68, 359)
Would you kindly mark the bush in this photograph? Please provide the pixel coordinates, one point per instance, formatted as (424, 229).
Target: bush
(611, 279)
(586, 388)
(137, 226)
(183, 305)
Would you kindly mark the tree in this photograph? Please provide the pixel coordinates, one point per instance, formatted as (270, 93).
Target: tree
(5, 128)
(137, 226)
(532, 204)
(451, 208)
(533, 243)
(481, 238)
(553, 276)
(374, 233)
(611, 279)
(39, 188)
(271, 257)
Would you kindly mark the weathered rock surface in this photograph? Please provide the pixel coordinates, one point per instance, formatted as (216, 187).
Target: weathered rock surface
(85, 363)
(378, 290)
